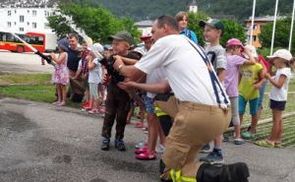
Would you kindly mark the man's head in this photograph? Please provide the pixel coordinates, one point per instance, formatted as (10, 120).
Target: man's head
(146, 38)
(73, 40)
(213, 30)
(163, 26)
(182, 19)
(121, 42)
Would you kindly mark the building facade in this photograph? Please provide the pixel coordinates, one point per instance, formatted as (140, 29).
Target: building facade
(258, 24)
(22, 20)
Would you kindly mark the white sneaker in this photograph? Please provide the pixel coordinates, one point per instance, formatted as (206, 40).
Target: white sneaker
(160, 149)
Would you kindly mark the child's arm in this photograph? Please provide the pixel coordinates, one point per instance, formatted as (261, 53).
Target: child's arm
(258, 84)
(279, 84)
(91, 65)
(78, 72)
(221, 74)
(251, 59)
(60, 59)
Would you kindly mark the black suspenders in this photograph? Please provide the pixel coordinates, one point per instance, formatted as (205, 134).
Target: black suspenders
(213, 77)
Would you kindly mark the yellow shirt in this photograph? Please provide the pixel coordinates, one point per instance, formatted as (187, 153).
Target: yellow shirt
(249, 76)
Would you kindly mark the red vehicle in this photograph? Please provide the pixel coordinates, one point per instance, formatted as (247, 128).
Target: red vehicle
(37, 40)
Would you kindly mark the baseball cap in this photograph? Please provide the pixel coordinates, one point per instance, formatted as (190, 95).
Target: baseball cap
(212, 23)
(96, 49)
(234, 42)
(282, 53)
(146, 36)
(63, 43)
(124, 36)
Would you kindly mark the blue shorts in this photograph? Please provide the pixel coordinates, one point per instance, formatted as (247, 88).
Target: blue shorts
(261, 95)
(149, 104)
(253, 105)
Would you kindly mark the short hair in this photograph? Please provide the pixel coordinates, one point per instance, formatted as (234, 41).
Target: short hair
(179, 16)
(73, 35)
(167, 20)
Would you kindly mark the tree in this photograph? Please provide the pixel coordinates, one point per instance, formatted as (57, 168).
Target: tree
(232, 29)
(97, 22)
(194, 19)
(281, 36)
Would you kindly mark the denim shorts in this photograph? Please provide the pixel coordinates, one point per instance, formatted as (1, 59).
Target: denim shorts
(261, 94)
(93, 90)
(253, 105)
(278, 105)
(149, 104)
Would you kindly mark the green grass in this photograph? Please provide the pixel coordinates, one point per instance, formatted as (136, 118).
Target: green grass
(41, 93)
(25, 79)
(34, 87)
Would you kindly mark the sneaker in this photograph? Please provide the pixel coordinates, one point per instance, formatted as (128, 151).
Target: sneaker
(160, 149)
(141, 150)
(119, 145)
(214, 157)
(237, 172)
(206, 149)
(102, 110)
(147, 155)
(93, 111)
(105, 144)
(239, 141)
(140, 145)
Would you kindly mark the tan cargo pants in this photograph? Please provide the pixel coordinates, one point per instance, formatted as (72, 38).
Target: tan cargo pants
(194, 125)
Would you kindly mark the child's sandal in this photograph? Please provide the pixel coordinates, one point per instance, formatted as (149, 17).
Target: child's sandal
(265, 143)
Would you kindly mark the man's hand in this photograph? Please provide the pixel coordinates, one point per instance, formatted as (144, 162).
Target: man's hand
(118, 62)
(126, 85)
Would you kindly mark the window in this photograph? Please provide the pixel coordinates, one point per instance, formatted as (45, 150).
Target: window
(34, 13)
(36, 40)
(34, 24)
(21, 29)
(21, 18)
(254, 38)
(46, 13)
(28, 23)
(14, 23)
(9, 13)
(28, 11)
(9, 24)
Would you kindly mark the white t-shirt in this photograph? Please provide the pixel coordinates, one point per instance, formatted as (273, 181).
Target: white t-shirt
(156, 76)
(187, 74)
(95, 73)
(217, 56)
(282, 93)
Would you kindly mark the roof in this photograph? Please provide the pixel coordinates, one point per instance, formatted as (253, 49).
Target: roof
(144, 23)
(265, 19)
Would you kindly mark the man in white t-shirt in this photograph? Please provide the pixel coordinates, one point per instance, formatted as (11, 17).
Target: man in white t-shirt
(202, 104)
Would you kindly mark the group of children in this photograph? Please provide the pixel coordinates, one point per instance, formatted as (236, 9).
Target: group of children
(243, 72)
(90, 74)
